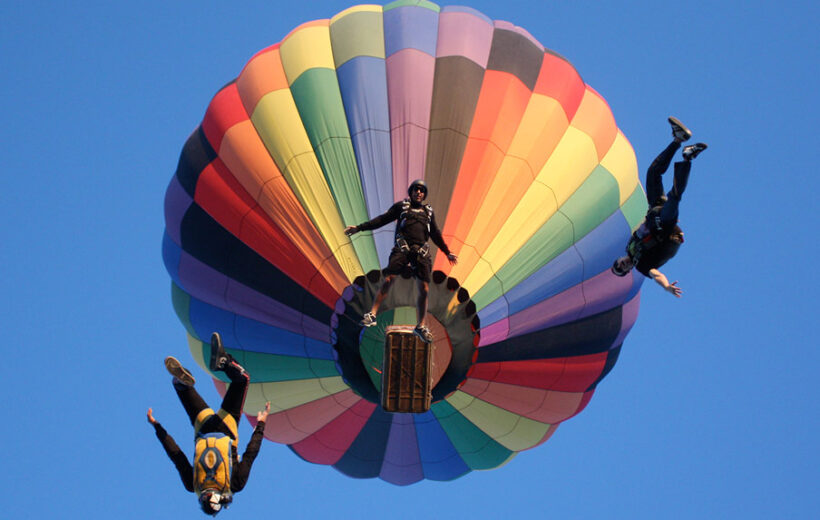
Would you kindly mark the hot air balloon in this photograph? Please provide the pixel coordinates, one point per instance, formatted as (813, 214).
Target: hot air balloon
(534, 187)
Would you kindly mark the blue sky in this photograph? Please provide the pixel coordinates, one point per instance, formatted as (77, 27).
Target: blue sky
(710, 412)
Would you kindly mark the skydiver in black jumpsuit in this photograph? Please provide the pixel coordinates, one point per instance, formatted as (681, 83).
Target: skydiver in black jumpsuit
(416, 225)
(659, 237)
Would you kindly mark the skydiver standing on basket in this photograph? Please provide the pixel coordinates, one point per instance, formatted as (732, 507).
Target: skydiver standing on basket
(217, 472)
(659, 237)
(416, 225)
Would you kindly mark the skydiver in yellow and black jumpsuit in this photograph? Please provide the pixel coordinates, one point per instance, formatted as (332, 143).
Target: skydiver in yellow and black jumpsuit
(217, 473)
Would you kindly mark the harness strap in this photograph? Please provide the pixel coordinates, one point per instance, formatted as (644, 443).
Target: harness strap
(637, 246)
(226, 418)
(405, 210)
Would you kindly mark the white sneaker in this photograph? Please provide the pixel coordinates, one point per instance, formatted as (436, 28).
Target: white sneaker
(424, 333)
(368, 320)
(679, 130)
(692, 151)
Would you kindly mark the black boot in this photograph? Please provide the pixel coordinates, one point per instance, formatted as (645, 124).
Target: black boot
(219, 358)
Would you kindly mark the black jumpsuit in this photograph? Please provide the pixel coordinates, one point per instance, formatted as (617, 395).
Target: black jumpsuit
(417, 225)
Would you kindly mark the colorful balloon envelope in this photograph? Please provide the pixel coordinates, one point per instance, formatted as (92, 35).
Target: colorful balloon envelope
(533, 186)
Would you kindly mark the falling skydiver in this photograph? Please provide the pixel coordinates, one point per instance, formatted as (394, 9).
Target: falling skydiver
(659, 237)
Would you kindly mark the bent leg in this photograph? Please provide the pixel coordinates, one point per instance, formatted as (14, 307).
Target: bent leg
(234, 399)
(190, 399)
(682, 170)
(669, 213)
(654, 183)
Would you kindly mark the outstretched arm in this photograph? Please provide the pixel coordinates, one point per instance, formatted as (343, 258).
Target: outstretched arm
(660, 279)
(184, 468)
(385, 218)
(242, 470)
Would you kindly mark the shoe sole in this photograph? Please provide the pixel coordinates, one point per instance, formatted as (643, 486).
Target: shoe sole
(676, 121)
(176, 369)
(216, 347)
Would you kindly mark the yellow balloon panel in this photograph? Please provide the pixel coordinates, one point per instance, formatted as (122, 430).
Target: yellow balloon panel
(512, 431)
(306, 48)
(620, 161)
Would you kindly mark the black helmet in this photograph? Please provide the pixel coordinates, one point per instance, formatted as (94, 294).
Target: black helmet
(621, 266)
(417, 183)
